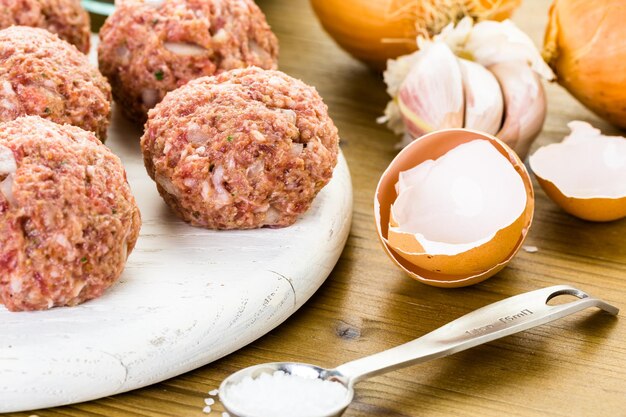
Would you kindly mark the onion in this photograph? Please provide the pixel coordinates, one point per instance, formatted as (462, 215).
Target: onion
(184, 48)
(222, 196)
(584, 45)
(255, 169)
(296, 149)
(376, 30)
(62, 240)
(150, 97)
(7, 161)
(272, 216)
(167, 185)
(6, 188)
(196, 135)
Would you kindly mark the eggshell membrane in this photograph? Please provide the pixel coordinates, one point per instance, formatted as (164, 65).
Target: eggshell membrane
(432, 146)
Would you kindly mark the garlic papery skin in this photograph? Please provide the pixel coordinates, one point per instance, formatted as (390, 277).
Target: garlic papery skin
(524, 103)
(375, 30)
(394, 76)
(585, 174)
(431, 95)
(490, 42)
(484, 104)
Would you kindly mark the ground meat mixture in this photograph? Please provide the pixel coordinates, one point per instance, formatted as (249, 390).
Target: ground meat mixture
(66, 18)
(43, 75)
(244, 149)
(68, 219)
(148, 48)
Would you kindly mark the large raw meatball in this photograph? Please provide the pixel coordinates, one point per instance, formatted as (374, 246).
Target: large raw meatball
(149, 48)
(68, 219)
(244, 149)
(66, 18)
(43, 75)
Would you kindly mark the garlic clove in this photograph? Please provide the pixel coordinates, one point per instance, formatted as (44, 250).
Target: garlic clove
(479, 249)
(585, 174)
(484, 105)
(431, 96)
(394, 76)
(524, 105)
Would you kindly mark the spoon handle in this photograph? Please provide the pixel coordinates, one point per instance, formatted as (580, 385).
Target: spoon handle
(491, 322)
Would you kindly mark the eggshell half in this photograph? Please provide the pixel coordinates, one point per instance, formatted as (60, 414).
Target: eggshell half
(585, 174)
(471, 266)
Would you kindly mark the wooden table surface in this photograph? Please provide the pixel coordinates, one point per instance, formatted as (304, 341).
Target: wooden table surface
(572, 367)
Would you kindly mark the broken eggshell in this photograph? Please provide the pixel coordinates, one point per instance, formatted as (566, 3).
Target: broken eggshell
(456, 268)
(585, 174)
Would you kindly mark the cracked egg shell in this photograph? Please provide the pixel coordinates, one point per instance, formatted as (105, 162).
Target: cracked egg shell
(455, 264)
(585, 174)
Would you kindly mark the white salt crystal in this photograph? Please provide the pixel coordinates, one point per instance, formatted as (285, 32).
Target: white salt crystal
(209, 401)
(285, 395)
(214, 392)
(530, 249)
(207, 409)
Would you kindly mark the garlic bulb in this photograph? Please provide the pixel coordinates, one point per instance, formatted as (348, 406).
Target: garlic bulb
(499, 92)
(490, 42)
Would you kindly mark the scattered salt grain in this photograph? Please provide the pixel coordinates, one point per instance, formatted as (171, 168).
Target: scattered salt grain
(530, 249)
(225, 414)
(209, 401)
(214, 392)
(207, 409)
(285, 395)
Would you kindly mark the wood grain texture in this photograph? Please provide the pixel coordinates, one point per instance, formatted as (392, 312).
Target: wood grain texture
(572, 367)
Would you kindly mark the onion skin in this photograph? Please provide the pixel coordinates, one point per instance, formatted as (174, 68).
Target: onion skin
(584, 45)
(373, 31)
(359, 26)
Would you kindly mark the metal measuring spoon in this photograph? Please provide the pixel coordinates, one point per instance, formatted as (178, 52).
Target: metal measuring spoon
(491, 322)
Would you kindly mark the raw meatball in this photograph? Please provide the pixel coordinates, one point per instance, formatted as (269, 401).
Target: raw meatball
(149, 48)
(244, 149)
(66, 18)
(43, 75)
(68, 219)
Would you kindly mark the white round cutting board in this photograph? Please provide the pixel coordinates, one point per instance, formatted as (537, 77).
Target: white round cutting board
(188, 296)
